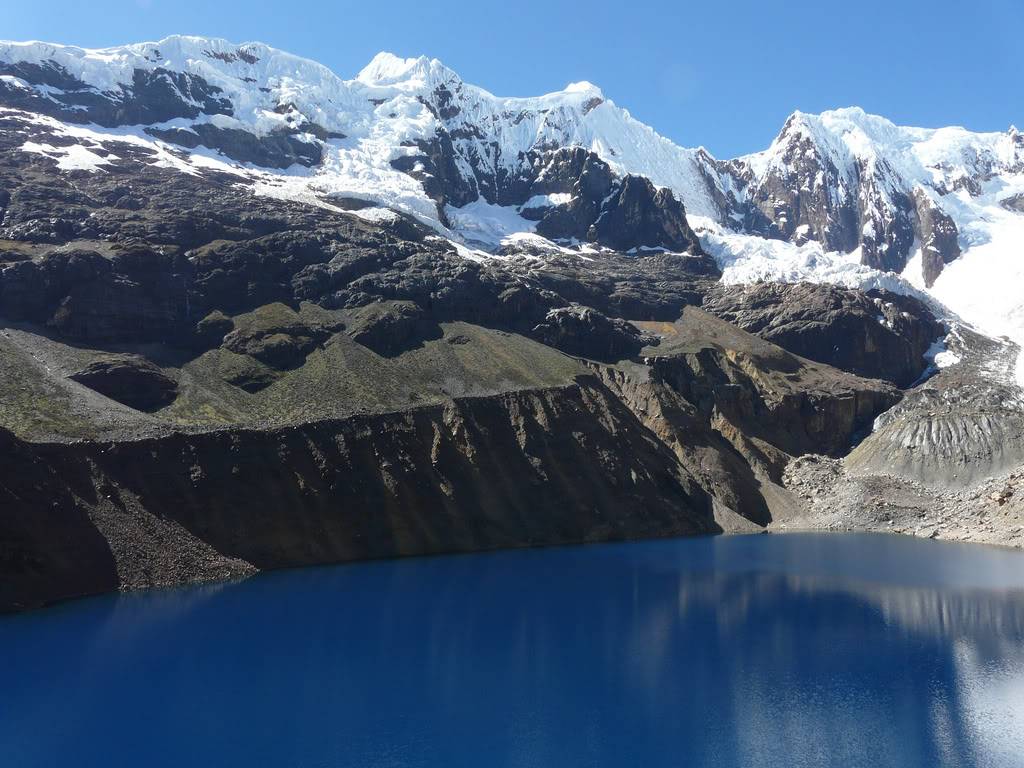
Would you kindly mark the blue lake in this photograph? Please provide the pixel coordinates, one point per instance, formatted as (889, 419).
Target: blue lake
(794, 650)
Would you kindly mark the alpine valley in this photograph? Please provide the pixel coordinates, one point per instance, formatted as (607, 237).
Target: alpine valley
(254, 315)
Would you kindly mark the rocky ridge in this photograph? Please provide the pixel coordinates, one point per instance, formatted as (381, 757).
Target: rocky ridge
(510, 335)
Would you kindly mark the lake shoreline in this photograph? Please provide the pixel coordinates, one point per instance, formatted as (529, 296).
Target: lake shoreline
(782, 528)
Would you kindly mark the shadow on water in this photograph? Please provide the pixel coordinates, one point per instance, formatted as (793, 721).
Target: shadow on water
(797, 650)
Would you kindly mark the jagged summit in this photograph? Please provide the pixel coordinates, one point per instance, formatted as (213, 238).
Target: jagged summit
(843, 195)
(388, 69)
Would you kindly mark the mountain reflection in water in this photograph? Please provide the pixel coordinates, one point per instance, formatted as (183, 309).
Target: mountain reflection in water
(797, 650)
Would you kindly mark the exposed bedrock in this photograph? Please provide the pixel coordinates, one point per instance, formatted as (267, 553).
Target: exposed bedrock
(876, 334)
(585, 332)
(691, 437)
(280, 149)
(157, 96)
(762, 391)
(570, 192)
(815, 190)
(938, 237)
(560, 465)
(392, 327)
(734, 409)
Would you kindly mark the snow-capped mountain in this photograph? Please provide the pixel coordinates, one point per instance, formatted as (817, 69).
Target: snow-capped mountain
(852, 198)
(851, 180)
(406, 133)
(842, 197)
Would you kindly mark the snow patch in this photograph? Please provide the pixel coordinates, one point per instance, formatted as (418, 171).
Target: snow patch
(939, 355)
(482, 222)
(74, 157)
(547, 201)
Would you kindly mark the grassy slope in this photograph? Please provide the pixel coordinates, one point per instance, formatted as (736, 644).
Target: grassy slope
(339, 378)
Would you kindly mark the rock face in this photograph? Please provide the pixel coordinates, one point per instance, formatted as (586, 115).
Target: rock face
(209, 369)
(879, 335)
(849, 180)
(390, 328)
(152, 95)
(556, 466)
(571, 193)
(281, 149)
(276, 336)
(49, 548)
(735, 408)
(158, 95)
(938, 236)
(764, 391)
(638, 216)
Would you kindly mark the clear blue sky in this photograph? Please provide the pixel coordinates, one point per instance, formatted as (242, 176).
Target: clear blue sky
(718, 73)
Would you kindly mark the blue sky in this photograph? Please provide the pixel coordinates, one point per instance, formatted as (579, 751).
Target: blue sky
(722, 74)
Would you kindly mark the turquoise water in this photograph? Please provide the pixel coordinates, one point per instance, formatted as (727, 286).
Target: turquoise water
(797, 650)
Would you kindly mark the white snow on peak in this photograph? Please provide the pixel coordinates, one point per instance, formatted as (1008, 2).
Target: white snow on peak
(386, 69)
(929, 156)
(382, 111)
(394, 103)
(584, 86)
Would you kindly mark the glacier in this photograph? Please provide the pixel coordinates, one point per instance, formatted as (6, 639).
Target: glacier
(861, 166)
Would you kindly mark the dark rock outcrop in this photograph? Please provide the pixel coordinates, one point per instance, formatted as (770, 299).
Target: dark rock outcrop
(639, 216)
(761, 391)
(153, 96)
(805, 196)
(878, 335)
(276, 150)
(390, 328)
(587, 333)
(49, 548)
(814, 187)
(129, 379)
(277, 336)
(938, 236)
(623, 214)
(1014, 203)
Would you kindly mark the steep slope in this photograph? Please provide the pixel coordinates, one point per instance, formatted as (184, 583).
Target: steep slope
(406, 133)
(254, 315)
(851, 180)
(841, 197)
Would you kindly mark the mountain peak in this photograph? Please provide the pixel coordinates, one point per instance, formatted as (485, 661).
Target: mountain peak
(584, 86)
(388, 69)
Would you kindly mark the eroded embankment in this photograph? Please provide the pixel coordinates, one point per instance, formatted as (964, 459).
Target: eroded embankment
(551, 466)
(692, 441)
